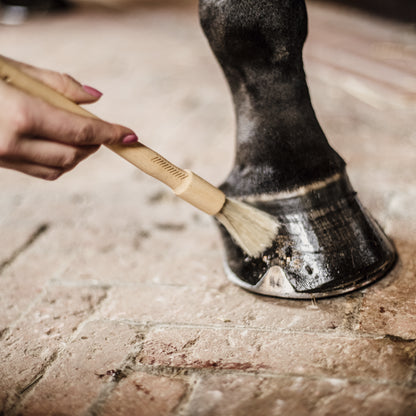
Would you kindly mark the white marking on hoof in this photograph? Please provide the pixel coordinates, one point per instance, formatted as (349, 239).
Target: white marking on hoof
(302, 190)
(275, 282)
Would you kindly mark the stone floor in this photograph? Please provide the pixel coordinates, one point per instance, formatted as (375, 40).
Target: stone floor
(113, 300)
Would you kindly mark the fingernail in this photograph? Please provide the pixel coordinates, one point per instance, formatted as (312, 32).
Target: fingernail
(131, 138)
(92, 91)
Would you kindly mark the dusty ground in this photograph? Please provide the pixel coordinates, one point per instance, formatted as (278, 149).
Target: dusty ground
(113, 300)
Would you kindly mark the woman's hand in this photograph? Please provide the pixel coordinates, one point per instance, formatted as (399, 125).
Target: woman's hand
(43, 141)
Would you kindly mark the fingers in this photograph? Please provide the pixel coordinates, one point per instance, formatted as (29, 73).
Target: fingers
(68, 86)
(62, 83)
(45, 159)
(52, 154)
(39, 119)
(43, 172)
(41, 140)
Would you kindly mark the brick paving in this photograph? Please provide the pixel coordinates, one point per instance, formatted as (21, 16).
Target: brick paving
(113, 300)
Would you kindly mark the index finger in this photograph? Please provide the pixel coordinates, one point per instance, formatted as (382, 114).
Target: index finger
(52, 123)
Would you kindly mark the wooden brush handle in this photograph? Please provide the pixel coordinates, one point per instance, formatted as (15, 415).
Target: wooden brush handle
(184, 183)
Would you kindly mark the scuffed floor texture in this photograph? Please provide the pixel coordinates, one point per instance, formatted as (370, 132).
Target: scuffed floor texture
(113, 300)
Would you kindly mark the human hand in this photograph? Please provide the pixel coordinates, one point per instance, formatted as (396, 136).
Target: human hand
(41, 140)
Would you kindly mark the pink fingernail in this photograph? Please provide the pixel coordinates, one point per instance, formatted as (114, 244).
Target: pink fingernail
(92, 91)
(131, 138)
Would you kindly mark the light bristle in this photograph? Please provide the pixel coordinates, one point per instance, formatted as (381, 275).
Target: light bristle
(252, 229)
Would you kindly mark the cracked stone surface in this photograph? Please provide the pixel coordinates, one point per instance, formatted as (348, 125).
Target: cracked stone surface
(112, 295)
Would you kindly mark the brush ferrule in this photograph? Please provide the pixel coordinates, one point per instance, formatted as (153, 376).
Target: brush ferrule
(201, 194)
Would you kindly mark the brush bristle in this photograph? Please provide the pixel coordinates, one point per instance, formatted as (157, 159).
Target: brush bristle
(252, 229)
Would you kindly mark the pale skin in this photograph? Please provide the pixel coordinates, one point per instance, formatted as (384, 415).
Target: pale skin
(43, 141)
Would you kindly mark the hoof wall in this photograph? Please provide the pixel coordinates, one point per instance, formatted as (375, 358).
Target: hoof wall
(327, 245)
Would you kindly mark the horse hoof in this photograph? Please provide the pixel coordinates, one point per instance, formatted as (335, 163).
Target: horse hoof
(327, 244)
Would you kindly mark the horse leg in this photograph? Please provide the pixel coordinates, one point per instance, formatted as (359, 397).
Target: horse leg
(327, 243)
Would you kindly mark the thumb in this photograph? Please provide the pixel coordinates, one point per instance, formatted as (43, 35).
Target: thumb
(63, 83)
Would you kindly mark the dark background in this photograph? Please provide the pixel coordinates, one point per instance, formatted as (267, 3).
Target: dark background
(403, 10)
